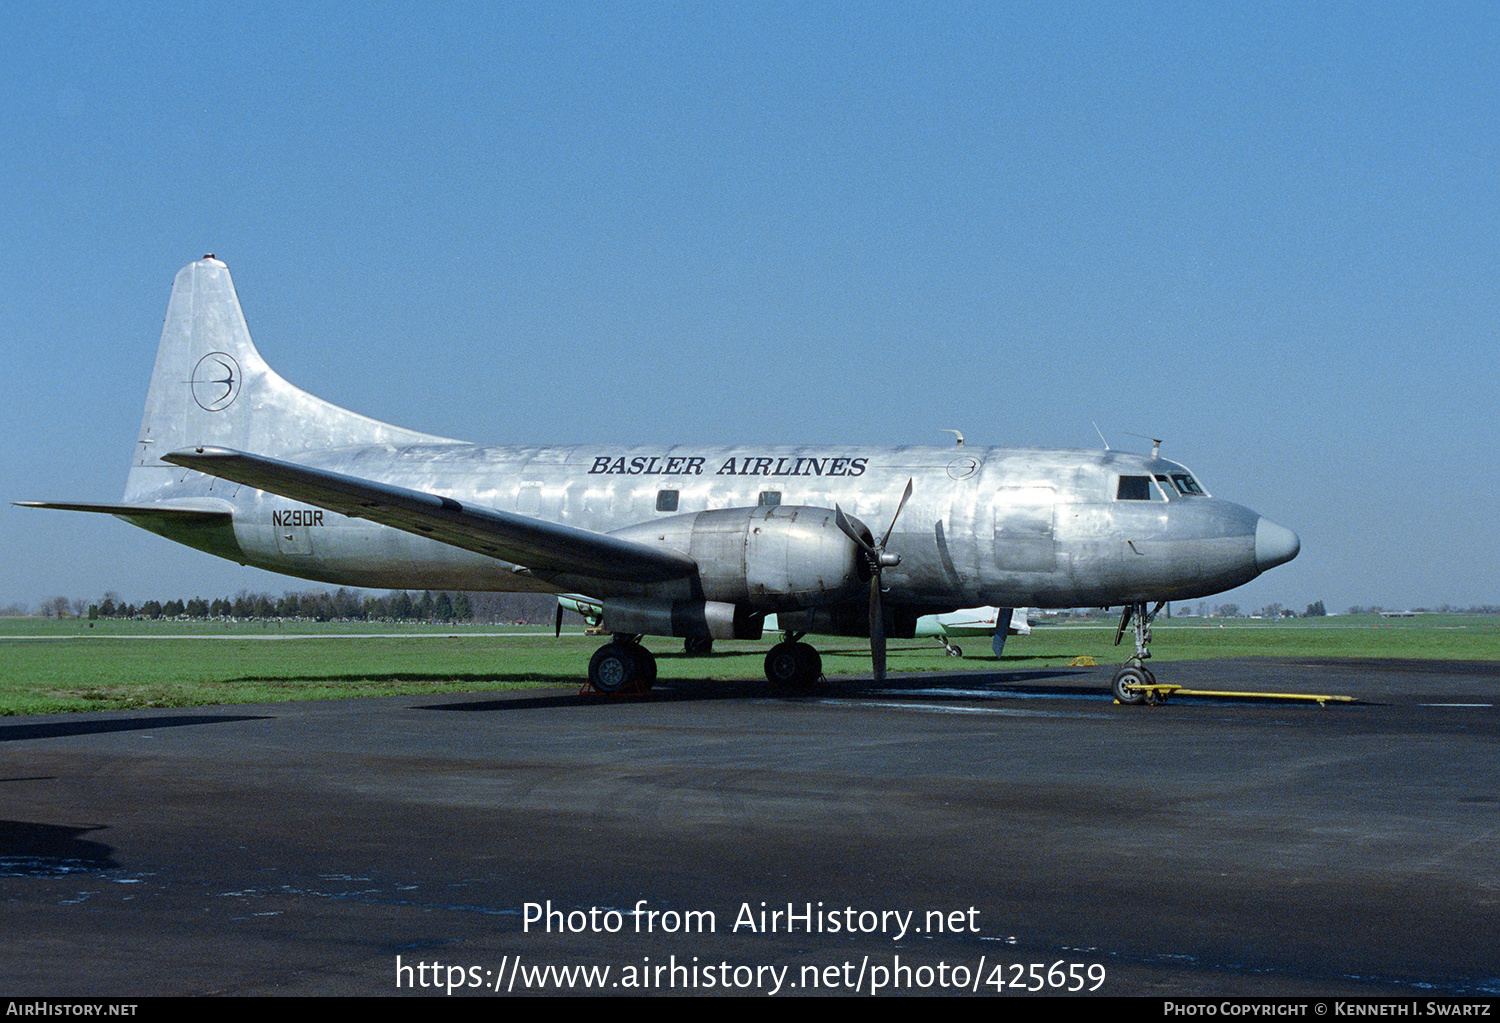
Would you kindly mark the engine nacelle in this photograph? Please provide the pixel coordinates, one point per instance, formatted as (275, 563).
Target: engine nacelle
(772, 558)
(712, 619)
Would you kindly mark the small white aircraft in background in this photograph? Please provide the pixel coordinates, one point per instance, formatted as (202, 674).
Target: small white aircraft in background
(976, 622)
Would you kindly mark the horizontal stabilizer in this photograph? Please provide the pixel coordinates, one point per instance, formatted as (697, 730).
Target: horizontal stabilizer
(543, 547)
(177, 512)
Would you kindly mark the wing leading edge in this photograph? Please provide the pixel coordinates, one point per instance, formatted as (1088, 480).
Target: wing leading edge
(543, 547)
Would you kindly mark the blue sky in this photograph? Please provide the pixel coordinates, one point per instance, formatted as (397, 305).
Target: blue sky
(1266, 235)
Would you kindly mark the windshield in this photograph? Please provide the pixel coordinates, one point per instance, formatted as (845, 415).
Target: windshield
(1179, 484)
(1186, 485)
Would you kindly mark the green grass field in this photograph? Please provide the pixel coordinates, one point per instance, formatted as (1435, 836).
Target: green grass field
(65, 666)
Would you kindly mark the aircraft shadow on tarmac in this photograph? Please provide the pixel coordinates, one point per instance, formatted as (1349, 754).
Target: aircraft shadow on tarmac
(931, 687)
(56, 729)
(48, 850)
(449, 678)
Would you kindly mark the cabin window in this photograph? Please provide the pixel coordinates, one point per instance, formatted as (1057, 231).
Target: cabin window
(666, 500)
(529, 499)
(769, 498)
(1134, 488)
(1187, 485)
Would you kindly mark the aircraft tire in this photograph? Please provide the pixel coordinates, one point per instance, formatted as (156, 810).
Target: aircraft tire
(698, 646)
(1127, 677)
(812, 662)
(793, 666)
(645, 667)
(954, 650)
(614, 669)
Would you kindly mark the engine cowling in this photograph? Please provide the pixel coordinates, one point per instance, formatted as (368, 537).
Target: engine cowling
(772, 558)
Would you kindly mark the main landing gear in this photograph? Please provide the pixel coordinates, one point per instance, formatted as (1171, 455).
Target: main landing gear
(1132, 681)
(622, 667)
(792, 664)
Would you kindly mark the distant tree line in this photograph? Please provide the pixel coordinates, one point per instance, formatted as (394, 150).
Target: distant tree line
(1205, 610)
(322, 606)
(486, 608)
(1442, 609)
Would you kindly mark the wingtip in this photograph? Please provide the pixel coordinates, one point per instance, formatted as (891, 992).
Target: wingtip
(186, 456)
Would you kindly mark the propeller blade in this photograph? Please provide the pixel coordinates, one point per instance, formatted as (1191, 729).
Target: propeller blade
(879, 560)
(843, 523)
(904, 498)
(1002, 629)
(557, 632)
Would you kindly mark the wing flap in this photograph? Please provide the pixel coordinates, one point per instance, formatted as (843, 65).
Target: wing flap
(537, 545)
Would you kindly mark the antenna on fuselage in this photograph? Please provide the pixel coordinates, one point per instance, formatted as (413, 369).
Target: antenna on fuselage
(1101, 435)
(1155, 443)
(958, 438)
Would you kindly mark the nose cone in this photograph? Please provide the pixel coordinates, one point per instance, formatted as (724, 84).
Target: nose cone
(1274, 545)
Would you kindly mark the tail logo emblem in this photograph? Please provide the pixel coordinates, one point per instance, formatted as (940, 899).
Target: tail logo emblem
(216, 381)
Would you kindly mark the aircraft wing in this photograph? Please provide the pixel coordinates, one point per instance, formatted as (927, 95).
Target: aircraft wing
(535, 544)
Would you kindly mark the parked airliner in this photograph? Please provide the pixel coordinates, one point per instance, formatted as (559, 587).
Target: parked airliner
(682, 540)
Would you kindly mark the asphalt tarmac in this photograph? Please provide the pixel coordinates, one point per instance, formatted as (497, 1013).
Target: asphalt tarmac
(935, 834)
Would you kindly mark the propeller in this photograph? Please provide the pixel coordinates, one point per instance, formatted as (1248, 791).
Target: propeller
(557, 630)
(878, 559)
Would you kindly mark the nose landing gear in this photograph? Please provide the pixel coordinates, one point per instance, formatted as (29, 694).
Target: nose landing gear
(1132, 683)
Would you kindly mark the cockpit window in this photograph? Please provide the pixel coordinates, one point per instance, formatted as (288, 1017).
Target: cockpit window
(1134, 488)
(1186, 484)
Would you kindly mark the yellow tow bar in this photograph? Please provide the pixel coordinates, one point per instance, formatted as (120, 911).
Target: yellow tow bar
(1158, 693)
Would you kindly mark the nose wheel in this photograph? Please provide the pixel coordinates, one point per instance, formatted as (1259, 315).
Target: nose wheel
(1129, 682)
(1133, 683)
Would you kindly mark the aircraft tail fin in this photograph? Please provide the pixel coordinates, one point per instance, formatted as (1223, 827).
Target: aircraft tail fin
(212, 388)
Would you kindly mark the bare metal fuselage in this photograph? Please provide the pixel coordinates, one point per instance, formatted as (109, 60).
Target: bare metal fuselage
(996, 526)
